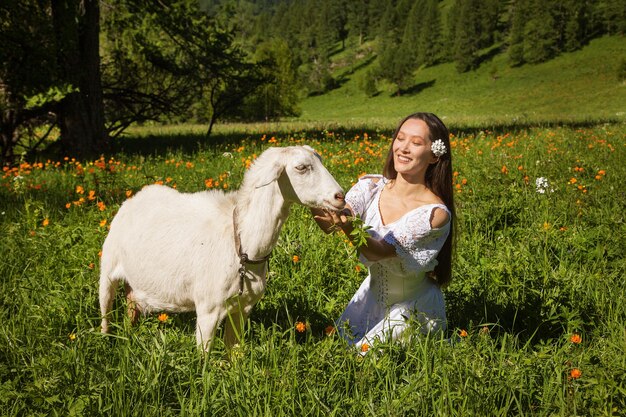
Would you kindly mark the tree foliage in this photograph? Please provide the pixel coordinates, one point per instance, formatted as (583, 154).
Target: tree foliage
(50, 73)
(93, 72)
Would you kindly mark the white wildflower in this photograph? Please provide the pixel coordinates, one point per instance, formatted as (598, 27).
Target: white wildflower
(542, 185)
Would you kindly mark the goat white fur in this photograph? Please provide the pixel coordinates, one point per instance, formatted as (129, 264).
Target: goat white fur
(178, 253)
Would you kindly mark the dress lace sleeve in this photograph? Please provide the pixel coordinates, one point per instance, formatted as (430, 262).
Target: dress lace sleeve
(416, 243)
(361, 193)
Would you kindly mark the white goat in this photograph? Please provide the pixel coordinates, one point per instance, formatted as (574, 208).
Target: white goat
(208, 251)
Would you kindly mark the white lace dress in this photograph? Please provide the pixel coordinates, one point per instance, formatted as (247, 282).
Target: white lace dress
(397, 290)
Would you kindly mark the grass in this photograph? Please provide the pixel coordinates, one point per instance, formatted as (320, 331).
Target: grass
(533, 272)
(569, 88)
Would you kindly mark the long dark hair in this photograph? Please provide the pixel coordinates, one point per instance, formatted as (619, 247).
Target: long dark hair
(439, 181)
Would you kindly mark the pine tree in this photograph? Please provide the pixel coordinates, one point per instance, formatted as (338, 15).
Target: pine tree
(450, 36)
(489, 15)
(467, 29)
(575, 25)
(516, 32)
(413, 31)
(430, 40)
(280, 96)
(540, 32)
(358, 19)
(613, 16)
(388, 20)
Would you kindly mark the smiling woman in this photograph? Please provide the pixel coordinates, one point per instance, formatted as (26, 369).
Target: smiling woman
(410, 214)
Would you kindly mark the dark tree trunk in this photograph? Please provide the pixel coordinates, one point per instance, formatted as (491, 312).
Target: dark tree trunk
(81, 113)
(8, 137)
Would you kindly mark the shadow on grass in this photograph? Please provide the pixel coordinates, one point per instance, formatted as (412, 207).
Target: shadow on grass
(162, 144)
(191, 143)
(417, 88)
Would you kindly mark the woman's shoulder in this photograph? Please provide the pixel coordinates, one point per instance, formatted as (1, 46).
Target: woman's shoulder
(431, 216)
(439, 216)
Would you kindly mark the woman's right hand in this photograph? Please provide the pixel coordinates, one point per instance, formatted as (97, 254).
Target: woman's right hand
(329, 221)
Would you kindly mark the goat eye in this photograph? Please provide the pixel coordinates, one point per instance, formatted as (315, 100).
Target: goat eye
(301, 168)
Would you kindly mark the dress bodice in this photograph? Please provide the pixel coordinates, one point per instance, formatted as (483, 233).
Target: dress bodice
(402, 277)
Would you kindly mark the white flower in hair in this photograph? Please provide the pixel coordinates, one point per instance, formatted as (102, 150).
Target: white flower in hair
(438, 147)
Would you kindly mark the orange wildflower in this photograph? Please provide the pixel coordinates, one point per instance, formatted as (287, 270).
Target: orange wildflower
(45, 222)
(80, 190)
(103, 222)
(101, 206)
(295, 259)
(575, 373)
(365, 347)
(575, 338)
(300, 327)
(163, 317)
(463, 333)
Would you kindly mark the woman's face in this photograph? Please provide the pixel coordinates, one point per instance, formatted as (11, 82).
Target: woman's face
(411, 149)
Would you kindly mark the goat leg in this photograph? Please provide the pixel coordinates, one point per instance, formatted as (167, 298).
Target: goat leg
(132, 307)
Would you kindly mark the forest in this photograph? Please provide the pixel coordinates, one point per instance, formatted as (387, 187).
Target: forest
(83, 71)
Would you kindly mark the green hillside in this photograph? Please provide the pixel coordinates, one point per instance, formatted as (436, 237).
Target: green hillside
(578, 86)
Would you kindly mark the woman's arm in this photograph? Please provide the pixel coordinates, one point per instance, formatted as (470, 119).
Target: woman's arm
(373, 249)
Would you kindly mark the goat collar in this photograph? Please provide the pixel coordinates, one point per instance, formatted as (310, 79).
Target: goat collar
(243, 257)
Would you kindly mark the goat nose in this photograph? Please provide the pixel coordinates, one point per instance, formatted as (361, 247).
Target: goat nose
(339, 196)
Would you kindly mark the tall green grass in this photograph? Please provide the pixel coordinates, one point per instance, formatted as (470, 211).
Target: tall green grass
(532, 270)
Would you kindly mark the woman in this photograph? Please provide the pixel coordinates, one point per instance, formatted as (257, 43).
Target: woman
(410, 213)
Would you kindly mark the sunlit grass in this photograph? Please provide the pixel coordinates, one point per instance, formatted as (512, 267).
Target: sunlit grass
(574, 87)
(536, 311)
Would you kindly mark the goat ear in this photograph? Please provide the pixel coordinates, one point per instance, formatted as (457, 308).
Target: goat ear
(271, 170)
(276, 169)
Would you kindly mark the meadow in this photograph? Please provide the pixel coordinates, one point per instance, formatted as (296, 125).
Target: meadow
(579, 86)
(536, 308)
